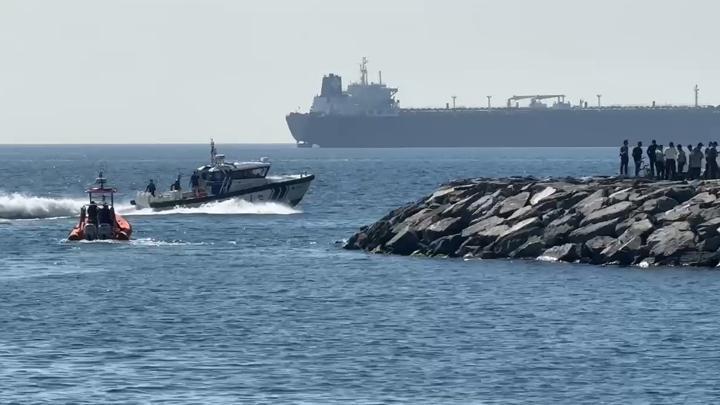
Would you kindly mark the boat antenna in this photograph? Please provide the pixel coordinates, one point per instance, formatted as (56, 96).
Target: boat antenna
(363, 71)
(697, 92)
(213, 151)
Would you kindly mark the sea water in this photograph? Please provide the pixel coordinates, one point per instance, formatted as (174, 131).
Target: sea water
(234, 302)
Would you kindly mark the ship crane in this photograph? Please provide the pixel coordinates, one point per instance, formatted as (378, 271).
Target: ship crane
(536, 98)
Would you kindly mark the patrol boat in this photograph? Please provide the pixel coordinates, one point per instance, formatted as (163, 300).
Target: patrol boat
(221, 180)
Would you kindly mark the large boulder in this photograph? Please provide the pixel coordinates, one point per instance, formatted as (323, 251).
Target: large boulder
(593, 247)
(591, 203)
(516, 235)
(556, 231)
(513, 203)
(587, 232)
(403, 243)
(624, 225)
(621, 195)
(679, 213)
(533, 247)
(625, 250)
(702, 259)
(619, 210)
(482, 225)
(443, 227)
(488, 236)
(704, 199)
(671, 239)
(427, 215)
(710, 244)
(709, 228)
(568, 252)
(541, 195)
(445, 246)
(658, 205)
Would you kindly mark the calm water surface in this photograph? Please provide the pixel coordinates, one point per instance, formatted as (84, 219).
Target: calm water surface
(243, 303)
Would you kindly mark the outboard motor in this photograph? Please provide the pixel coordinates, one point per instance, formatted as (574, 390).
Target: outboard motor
(91, 232)
(331, 86)
(104, 231)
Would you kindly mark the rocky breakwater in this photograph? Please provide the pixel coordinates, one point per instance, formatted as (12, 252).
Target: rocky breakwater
(597, 220)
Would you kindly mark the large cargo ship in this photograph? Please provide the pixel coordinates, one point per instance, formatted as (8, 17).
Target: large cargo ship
(368, 115)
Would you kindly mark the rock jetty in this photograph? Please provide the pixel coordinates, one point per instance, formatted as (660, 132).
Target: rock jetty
(594, 220)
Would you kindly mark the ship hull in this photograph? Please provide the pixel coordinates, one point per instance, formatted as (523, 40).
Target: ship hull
(507, 127)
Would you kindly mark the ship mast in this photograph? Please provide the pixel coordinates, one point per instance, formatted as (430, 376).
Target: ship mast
(697, 92)
(363, 71)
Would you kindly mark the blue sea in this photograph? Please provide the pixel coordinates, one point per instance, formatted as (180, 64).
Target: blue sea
(257, 303)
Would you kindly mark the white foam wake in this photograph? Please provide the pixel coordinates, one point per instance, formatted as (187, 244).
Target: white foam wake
(22, 206)
(227, 207)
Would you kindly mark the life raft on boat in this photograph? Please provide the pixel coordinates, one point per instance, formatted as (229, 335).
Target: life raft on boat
(98, 220)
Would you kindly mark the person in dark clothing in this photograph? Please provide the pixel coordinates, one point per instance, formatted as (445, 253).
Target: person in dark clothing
(151, 188)
(651, 157)
(637, 154)
(104, 214)
(711, 157)
(92, 213)
(176, 184)
(195, 183)
(681, 161)
(659, 162)
(695, 162)
(624, 158)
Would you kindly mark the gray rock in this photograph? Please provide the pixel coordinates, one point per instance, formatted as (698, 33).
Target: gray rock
(533, 247)
(669, 240)
(703, 259)
(443, 227)
(710, 244)
(619, 196)
(680, 193)
(591, 203)
(625, 250)
(552, 215)
(541, 195)
(521, 227)
(424, 214)
(619, 210)
(641, 228)
(482, 204)
(679, 213)
(556, 231)
(489, 236)
(658, 205)
(522, 213)
(708, 229)
(624, 225)
(573, 199)
(587, 232)
(703, 199)
(482, 225)
(593, 247)
(513, 203)
(446, 246)
(567, 253)
(403, 243)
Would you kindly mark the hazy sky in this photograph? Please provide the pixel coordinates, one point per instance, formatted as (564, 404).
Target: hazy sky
(169, 71)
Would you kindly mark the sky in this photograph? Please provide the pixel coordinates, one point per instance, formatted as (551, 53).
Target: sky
(176, 71)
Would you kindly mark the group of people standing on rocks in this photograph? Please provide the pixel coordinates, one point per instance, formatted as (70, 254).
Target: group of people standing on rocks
(669, 163)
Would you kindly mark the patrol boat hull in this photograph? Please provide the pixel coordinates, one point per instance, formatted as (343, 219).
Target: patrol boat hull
(288, 190)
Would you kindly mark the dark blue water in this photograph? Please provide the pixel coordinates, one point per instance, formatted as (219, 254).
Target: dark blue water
(242, 303)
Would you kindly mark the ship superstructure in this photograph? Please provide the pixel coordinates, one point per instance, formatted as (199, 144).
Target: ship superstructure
(368, 115)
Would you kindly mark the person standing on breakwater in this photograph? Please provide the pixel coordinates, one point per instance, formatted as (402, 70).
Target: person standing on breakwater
(651, 157)
(711, 160)
(681, 161)
(659, 162)
(624, 158)
(637, 153)
(670, 158)
(695, 162)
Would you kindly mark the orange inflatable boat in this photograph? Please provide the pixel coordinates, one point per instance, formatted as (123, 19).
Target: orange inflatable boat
(98, 220)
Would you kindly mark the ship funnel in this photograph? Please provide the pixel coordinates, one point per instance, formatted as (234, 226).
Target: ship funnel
(331, 86)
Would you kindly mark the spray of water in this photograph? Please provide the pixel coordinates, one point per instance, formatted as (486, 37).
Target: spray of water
(21, 206)
(227, 207)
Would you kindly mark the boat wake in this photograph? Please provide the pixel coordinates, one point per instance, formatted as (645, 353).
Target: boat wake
(227, 207)
(14, 206)
(23, 206)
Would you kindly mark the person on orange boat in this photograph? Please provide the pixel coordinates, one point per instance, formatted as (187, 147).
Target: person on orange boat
(151, 188)
(92, 213)
(104, 215)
